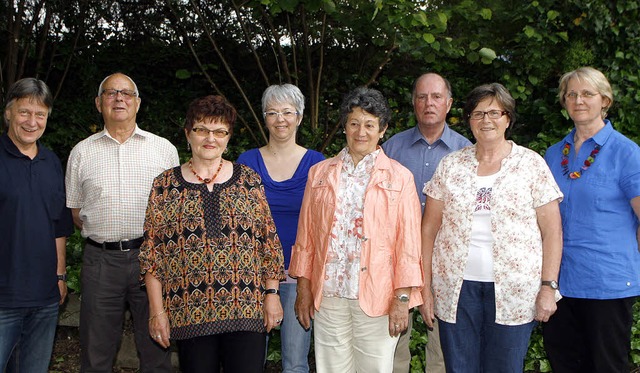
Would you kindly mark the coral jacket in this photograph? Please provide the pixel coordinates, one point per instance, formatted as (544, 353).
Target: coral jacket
(391, 255)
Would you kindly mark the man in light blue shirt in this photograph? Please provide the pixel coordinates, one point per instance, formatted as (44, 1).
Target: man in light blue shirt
(420, 149)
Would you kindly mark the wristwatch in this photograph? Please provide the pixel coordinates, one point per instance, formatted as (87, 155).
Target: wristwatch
(404, 298)
(553, 284)
(62, 277)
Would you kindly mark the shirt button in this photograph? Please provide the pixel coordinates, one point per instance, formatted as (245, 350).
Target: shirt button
(363, 269)
(423, 203)
(429, 147)
(628, 283)
(426, 164)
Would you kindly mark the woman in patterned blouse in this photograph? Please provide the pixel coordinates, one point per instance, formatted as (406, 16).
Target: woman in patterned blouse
(211, 260)
(492, 242)
(357, 250)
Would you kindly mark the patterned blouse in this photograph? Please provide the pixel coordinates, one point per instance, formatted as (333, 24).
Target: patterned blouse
(342, 271)
(211, 251)
(524, 184)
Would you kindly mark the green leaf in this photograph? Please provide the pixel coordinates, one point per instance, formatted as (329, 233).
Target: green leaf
(183, 74)
(421, 17)
(428, 37)
(529, 31)
(488, 54)
(486, 13)
(474, 45)
(552, 14)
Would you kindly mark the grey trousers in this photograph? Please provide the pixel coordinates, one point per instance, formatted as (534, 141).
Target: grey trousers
(110, 283)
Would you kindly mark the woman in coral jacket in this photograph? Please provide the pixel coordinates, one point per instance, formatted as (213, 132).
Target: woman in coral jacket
(357, 255)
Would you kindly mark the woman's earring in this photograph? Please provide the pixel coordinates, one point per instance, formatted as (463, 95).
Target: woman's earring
(188, 146)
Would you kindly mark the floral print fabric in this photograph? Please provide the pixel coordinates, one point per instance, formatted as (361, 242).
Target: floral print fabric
(524, 184)
(342, 272)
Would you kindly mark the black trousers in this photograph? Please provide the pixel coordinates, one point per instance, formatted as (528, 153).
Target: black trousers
(236, 352)
(590, 335)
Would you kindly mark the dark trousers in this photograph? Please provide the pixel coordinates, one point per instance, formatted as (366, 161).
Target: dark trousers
(110, 282)
(236, 352)
(475, 343)
(589, 335)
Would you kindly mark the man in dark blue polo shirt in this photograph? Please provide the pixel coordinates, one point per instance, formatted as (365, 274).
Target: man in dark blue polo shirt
(35, 224)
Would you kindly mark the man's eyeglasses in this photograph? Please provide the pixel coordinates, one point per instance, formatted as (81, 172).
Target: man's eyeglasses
(492, 114)
(204, 132)
(573, 96)
(127, 94)
(285, 115)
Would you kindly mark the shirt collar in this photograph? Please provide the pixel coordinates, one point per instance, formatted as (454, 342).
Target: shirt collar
(599, 138)
(136, 132)
(447, 136)
(12, 149)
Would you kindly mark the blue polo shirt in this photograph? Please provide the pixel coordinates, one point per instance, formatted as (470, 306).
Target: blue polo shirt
(413, 151)
(600, 258)
(33, 214)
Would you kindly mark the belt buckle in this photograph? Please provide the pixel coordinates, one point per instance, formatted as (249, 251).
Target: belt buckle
(121, 249)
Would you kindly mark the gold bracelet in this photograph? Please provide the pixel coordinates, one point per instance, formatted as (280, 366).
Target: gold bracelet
(156, 315)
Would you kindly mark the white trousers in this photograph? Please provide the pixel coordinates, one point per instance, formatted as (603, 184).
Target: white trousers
(347, 340)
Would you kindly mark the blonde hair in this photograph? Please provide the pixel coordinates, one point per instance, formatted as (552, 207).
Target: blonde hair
(593, 77)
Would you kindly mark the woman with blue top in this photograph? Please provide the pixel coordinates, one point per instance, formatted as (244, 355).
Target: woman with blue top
(598, 170)
(283, 166)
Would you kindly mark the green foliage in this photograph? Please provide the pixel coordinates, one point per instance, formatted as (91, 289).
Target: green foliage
(74, 261)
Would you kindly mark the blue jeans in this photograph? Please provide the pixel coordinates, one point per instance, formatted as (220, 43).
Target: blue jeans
(26, 338)
(475, 343)
(295, 340)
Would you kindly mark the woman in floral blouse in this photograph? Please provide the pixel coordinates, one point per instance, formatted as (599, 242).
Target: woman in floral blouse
(211, 259)
(357, 250)
(492, 242)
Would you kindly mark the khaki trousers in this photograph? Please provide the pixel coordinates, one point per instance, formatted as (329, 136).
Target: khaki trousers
(347, 340)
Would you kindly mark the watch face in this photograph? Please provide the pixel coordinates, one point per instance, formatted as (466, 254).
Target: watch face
(403, 298)
(552, 284)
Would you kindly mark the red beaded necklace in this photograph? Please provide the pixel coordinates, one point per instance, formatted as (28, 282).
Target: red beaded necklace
(208, 180)
(587, 162)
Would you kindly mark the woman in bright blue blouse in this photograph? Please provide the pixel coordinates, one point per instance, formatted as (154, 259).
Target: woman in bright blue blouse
(598, 171)
(283, 166)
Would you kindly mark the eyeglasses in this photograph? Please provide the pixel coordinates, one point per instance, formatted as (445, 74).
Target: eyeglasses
(204, 132)
(492, 114)
(573, 96)
(127, 94)
(275, 114)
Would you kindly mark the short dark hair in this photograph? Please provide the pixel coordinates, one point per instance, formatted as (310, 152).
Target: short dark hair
(29, 88)
(496, 91)
(368, 99)
(210, 107)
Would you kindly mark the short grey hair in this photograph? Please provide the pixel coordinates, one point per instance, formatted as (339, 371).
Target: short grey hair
(29, 88)
(283, 94)
(135, 86)
(368, 99)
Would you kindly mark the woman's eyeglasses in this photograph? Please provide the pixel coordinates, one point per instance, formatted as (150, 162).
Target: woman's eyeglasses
(492, 114)
(204, 132)
(275, 114)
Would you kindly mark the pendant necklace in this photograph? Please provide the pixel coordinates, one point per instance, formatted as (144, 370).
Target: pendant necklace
(206, 180)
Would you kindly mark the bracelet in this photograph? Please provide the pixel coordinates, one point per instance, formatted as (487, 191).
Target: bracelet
(156, 315)
(272, 291)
